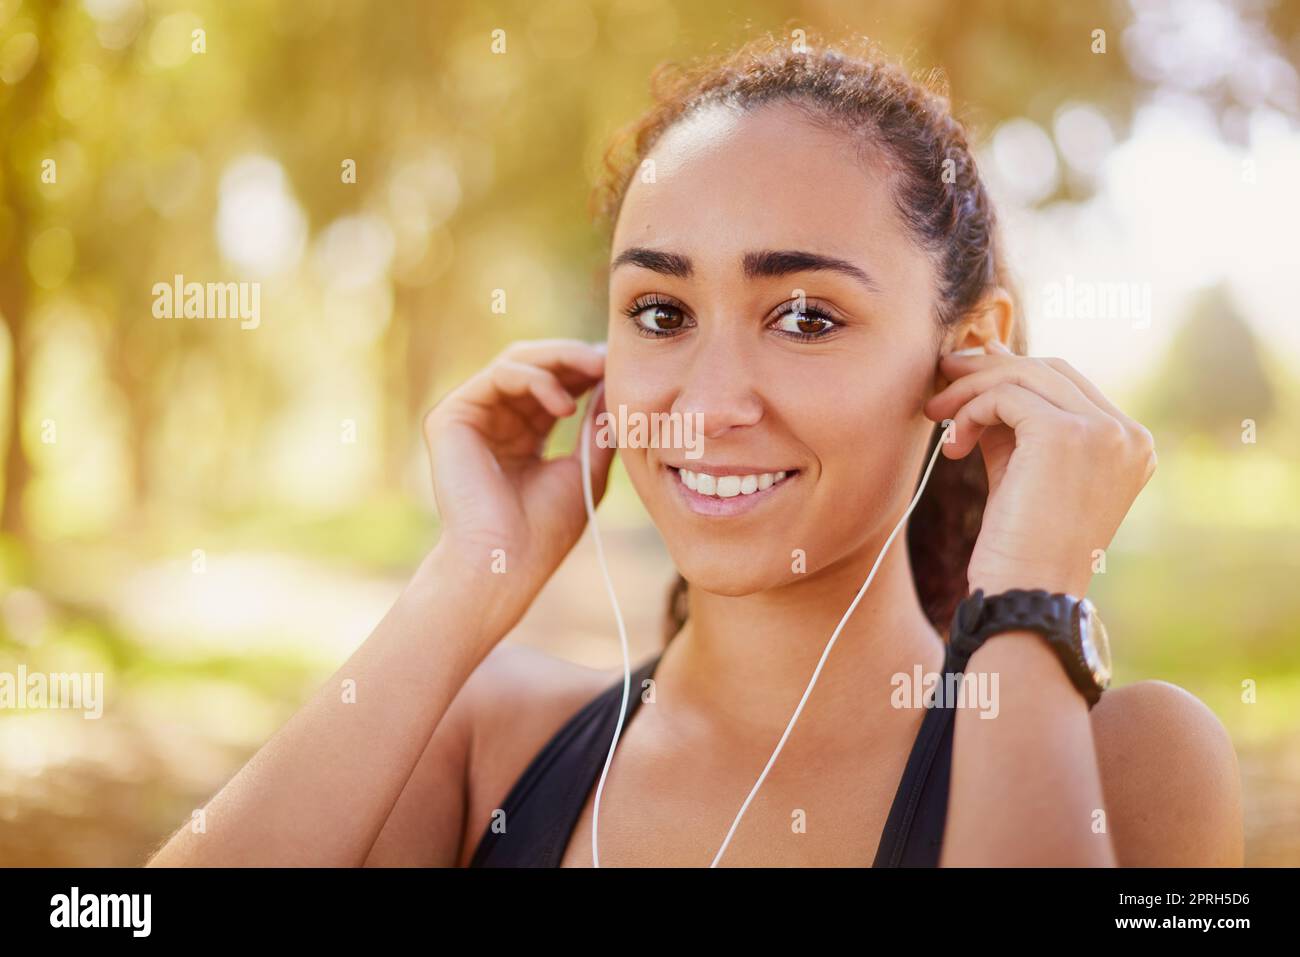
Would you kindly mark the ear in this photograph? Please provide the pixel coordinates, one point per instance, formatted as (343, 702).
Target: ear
(992, 318)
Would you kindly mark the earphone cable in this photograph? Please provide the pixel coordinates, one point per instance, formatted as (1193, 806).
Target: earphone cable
(589, 500)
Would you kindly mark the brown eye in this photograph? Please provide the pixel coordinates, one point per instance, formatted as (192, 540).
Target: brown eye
(666, 317)
(659, 319)
(805, 325)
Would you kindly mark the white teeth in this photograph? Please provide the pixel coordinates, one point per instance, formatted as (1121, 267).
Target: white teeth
(729, 486)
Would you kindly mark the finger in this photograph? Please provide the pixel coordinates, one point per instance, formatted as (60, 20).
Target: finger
(535, 417)
(504, 380)
(1020, 370)
(573, 363)
(528, 394)
(521, 380)
(1138, 435)
(558, 355)
(1005, 404)
(1082, 383)
(954, 365)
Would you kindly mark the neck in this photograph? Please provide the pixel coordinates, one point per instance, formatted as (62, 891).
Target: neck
(746, 661)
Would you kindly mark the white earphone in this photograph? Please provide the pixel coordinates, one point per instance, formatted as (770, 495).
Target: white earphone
(588, 499)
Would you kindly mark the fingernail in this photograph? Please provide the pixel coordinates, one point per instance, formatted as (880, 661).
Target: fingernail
(602, 347)
(973, 351)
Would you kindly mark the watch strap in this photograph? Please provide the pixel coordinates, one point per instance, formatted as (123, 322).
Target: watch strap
(1053, 615)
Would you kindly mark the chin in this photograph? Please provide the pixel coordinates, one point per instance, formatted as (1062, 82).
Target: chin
(721, 571)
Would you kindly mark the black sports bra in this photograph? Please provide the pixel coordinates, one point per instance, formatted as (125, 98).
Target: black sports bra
(543, 807)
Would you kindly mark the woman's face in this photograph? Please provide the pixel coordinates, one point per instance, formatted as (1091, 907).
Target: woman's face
(762, 285)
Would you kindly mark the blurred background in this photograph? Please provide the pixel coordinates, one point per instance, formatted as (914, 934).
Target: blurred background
(213, 517)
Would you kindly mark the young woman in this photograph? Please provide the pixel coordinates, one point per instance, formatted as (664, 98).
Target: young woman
(801, 242)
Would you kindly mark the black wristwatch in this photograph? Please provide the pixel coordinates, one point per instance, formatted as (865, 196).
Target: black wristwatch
(1070, 625)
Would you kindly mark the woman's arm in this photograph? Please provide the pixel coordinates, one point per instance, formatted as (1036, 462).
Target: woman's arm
(1026, 789)
(1148, 778)
(1064, 465)
(320, 790)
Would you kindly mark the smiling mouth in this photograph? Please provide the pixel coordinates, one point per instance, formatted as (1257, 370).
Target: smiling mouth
(727, 494)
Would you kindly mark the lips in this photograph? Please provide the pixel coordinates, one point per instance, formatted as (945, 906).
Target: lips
(727, 490)
(729, 484)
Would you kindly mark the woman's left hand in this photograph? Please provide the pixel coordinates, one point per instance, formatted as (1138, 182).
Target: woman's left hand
(1064, 466)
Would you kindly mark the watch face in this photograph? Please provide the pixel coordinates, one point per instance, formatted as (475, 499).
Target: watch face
(1095, 643)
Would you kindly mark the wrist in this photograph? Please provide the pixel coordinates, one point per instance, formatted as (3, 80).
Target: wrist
(471, 565)
(448, 578)
(1023, 660)
(1054, 583)
(1057, 623)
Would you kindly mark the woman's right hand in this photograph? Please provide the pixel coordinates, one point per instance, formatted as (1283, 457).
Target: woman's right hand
(322, 792)
(493, 488)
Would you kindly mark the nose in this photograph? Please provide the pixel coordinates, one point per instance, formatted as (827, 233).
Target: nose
(719, 384)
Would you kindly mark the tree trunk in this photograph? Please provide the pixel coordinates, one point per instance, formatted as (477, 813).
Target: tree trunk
(13, 305)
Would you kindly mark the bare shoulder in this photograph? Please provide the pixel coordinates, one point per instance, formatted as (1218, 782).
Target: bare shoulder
(1170, 778)
(511, 705)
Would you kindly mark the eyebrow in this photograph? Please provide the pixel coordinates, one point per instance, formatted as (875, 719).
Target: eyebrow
(782, 262)
(764, 263)
(670, 264)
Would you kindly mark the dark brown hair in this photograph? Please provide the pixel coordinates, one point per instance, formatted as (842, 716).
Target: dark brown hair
(854, 89)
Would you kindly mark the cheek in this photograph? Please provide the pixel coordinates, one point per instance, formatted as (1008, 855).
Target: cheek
(850, 406)
(640, 380)
(624, 382)
(636, 385)
(862, 427)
